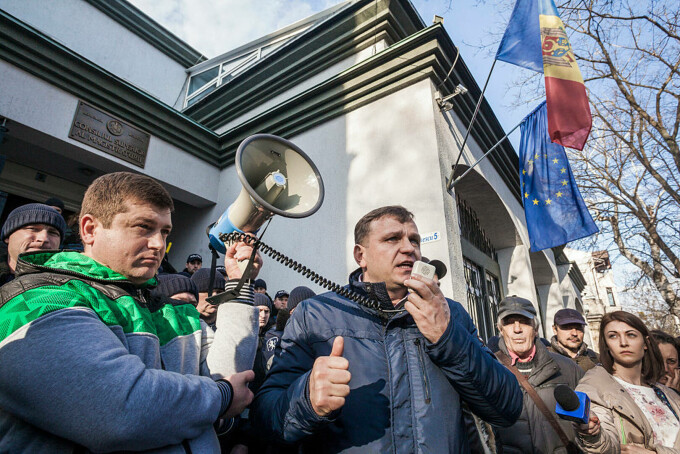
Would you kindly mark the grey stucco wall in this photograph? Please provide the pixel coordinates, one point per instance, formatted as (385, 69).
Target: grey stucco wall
(94, 35)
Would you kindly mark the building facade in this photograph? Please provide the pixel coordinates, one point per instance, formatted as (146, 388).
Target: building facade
(94, 86)
(600, 294)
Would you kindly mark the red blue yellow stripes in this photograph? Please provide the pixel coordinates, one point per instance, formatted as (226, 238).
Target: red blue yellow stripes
(569, 119)
(537, 35)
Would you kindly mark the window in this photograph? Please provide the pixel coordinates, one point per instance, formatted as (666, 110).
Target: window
(201, 79)
(493, 299)
(610, 296)
(483, 295)
(226, 69)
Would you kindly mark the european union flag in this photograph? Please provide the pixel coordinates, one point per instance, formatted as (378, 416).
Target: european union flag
(553, 206)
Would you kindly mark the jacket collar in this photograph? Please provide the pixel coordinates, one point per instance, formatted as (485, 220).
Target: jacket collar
(376, 291)
(72, 262)
(544, 366)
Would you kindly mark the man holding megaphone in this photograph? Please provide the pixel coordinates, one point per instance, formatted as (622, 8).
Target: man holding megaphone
(89, 361)
(388, 377)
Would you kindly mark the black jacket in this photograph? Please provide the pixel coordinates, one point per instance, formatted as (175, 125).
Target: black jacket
(6, 274)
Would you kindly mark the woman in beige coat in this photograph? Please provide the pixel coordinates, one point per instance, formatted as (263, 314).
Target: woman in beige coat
(630, 411)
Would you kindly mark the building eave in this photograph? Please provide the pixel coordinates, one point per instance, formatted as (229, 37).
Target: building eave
(428, 53)
(32, 51)
(340, 36)
(149, 30)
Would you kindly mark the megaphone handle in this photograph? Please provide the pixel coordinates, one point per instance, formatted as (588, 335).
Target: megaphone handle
(213, 268)
(246, 272)
(236, 291)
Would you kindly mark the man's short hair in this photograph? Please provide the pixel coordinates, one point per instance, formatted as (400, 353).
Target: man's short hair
(363, 227)
(108, 194)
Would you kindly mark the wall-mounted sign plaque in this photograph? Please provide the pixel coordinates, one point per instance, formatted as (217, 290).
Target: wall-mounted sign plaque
(109, 134)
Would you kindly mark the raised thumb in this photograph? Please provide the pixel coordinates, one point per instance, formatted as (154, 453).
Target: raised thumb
(338, 346)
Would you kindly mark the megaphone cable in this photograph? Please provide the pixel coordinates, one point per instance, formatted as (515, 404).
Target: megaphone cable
(315, 277)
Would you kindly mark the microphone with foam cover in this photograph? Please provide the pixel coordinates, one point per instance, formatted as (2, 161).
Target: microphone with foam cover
(572, 405)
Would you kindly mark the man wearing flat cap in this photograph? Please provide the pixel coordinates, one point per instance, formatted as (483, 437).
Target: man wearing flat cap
(518, 349)
(28, 228)
(569, 329)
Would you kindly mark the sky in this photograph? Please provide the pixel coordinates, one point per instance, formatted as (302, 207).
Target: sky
(214, 27)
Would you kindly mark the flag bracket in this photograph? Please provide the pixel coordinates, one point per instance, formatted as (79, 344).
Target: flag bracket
(453, 182)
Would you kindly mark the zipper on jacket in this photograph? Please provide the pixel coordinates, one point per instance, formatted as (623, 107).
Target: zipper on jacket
(421, 359)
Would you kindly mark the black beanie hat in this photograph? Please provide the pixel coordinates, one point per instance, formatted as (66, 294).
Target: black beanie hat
(260, 283)
(172, 284)
(202, 280)
(262, 300)
(33, 213)
(297, 295)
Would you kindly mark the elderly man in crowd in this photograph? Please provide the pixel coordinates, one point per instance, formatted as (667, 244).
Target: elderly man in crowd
(569, 329)
(388, 375)
(519, 350)
(29, 228)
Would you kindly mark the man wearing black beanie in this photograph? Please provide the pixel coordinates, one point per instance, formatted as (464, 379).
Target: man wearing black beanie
(177, 287)
(28, 228)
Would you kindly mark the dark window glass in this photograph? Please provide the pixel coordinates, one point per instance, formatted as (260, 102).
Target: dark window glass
(200, 80)
(610, 296)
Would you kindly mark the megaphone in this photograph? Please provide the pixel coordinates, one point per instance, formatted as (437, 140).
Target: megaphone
(277, 178)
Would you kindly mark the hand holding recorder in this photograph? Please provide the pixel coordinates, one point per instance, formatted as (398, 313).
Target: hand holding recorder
(426, 303)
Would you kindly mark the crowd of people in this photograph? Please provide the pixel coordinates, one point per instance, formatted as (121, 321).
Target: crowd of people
(104, 347)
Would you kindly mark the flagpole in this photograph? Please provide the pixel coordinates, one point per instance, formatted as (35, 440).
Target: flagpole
(449, 184)
(453, 183)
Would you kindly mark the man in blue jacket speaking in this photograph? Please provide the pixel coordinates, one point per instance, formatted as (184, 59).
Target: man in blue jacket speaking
(350, 378)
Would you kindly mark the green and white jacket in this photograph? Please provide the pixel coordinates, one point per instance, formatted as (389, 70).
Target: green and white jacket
(88, 360)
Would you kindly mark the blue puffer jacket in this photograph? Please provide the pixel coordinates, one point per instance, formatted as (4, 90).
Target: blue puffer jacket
(405, 391)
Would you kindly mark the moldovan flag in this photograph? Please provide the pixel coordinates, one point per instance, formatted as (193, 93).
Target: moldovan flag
(536, 39)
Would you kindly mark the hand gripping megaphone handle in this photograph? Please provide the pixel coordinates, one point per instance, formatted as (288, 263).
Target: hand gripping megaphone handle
(308, 273)
(236, 291)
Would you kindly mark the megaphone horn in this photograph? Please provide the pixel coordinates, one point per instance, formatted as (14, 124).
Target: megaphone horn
(277, 178)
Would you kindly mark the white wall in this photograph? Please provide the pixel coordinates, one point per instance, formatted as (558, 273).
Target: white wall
(35, 103)
(94, 35)
(367, 160)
